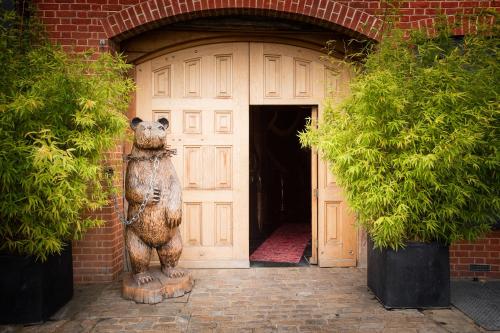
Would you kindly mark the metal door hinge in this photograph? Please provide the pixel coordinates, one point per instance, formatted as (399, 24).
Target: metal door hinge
(315, 191)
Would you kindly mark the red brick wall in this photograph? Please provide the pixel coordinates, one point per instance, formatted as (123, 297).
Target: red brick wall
(80, 24)
(485, 250)
(98, 256)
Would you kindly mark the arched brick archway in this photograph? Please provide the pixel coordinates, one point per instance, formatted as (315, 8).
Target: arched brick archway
(154, 13)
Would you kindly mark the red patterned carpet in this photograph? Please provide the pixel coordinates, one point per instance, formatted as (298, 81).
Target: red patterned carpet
(286, 244)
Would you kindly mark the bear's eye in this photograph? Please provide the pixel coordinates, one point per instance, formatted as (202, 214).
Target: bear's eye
(161, 127)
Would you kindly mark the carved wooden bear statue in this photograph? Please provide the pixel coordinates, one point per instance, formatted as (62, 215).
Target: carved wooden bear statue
(153, 192)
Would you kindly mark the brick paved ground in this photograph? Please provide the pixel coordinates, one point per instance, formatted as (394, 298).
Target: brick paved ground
(302, 299)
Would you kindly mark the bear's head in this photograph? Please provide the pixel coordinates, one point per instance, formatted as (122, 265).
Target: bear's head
(150, 134)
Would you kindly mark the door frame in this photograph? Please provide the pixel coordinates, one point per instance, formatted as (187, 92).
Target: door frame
(315, 111)
(313, 260)
(314, 194)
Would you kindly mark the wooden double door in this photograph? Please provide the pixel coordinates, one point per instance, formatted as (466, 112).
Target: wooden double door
(205, 92)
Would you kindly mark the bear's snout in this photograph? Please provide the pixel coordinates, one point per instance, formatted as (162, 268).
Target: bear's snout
(150, 135)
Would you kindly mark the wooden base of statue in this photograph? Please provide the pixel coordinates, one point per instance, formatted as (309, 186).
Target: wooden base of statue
(160, 288)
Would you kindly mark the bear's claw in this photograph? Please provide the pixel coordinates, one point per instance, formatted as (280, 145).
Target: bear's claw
(142, 278)
(173, 222)
(172, 272)
(156, 195)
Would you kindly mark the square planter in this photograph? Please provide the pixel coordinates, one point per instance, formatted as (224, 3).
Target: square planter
(32, 291)
(417, 276)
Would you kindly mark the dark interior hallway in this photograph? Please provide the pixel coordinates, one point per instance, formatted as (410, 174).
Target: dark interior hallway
(280, 184)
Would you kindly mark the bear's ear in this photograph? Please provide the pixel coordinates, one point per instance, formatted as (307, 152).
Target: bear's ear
(164, 122)
(134, 122)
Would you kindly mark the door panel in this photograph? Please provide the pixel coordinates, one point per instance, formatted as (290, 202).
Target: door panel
(337, 235)
(194, 88)
(284, 74)
(334, 234)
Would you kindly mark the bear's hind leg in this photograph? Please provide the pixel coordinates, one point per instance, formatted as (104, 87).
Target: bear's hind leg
(140, 254)
(169, 255)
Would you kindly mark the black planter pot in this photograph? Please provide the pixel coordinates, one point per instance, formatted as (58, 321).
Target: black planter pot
(32, 291)
(417, 276)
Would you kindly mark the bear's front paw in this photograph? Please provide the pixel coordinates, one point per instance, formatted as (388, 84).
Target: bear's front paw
(142, 278)
(173, 222)
(156, 195)
(172, 272)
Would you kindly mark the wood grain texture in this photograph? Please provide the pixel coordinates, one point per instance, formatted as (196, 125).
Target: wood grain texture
(159, 288)
(212, 147)
(153, 192)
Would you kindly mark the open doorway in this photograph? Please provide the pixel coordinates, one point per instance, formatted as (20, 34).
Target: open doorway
(280, 187)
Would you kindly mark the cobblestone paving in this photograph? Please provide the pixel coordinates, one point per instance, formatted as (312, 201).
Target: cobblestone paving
(302, 299)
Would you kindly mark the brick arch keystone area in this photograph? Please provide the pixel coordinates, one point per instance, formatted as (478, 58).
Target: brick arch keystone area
(154, 13)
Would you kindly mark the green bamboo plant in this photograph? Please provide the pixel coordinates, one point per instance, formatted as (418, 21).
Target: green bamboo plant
(59, 113)
(415, 146)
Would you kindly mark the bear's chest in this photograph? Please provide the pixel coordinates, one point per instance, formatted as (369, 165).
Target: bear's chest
(149, 174)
